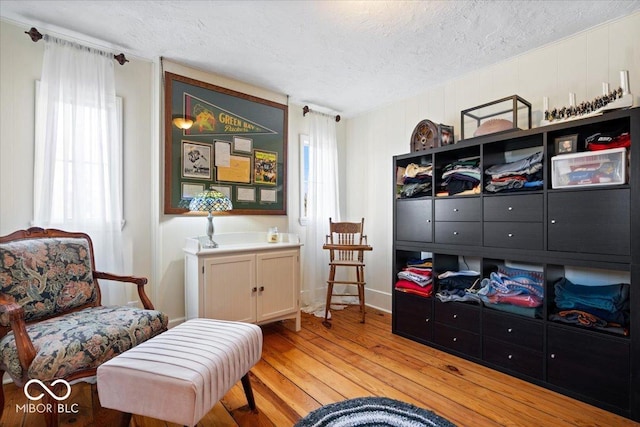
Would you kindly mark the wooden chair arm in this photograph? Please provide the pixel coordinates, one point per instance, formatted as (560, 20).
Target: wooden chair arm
(24, 345)
(139, 281)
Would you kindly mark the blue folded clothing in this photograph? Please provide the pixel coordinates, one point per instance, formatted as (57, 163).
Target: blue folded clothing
(611, 298)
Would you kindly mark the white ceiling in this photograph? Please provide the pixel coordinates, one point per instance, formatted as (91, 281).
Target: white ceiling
(347, 56)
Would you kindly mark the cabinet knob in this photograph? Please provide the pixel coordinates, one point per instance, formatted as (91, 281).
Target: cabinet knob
(455, 209)
(261, 289)
(553, 221)
(510, 235)
(510, 357)
(509, 208)
(455, 233)
(455, 339)
(553, 355)
(455, 316)
(428, 221)
(509, 330)
(426, 320)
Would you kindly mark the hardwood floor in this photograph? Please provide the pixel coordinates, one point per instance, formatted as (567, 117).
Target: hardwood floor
(300, 372)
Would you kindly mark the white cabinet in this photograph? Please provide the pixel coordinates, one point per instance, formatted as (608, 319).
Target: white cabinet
(244, 279)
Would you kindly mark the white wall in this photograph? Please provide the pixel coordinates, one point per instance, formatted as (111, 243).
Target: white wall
(153, 241)
(20, 67)
(367, 143)
(173, 229)
(577, 64)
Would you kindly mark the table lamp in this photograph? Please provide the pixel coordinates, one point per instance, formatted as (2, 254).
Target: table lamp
(210, 201)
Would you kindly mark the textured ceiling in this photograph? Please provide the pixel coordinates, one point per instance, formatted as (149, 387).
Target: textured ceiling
(347, 56)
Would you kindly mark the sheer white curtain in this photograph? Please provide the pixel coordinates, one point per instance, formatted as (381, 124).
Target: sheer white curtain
(322, 204)
(77, 173)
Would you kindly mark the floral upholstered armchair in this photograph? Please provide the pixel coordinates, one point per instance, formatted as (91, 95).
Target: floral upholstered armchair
(52, 325)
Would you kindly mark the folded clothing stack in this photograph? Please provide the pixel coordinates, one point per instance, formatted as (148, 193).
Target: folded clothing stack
(458, 286)
(515, 290)
(415, 180)
(601, 307)
(416, 278)
(607, 140)
(461, 177)
(525, 174)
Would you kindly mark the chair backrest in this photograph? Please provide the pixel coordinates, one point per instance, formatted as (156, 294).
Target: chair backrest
(47, 272)
(346, 234)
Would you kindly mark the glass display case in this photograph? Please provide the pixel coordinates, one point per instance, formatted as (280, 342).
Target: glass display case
(504, 114)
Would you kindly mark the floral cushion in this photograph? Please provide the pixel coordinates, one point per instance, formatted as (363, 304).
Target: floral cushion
(81, 340)
(46, 276)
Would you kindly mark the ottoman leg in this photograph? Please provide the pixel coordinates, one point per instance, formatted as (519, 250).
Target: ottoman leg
(103, 417)
(246, 384)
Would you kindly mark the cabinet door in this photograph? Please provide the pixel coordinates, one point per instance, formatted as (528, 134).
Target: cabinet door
(523, 332)
(413, 316)
(520, 208)
(278, 282)
(228, 288)
(457, 339)
(413, 220)
(459, 233)
(590, 365)
(594, 222)
(513, 357)
(459, 315)
(458, 209)
(515, 235)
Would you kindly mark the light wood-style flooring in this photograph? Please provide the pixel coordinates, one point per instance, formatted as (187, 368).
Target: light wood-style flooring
(300, 372)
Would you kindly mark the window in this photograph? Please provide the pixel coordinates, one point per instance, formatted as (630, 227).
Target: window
(89, 163)
(304, 178)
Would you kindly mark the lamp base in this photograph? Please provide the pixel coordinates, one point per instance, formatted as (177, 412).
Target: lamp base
(210, 244)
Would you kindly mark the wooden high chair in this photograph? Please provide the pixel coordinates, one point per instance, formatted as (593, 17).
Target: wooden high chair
(346, 244)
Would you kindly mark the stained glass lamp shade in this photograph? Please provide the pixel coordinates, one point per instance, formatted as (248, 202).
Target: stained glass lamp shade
(210, 201)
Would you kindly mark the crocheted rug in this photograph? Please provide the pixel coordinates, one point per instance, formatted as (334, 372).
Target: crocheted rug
(372, 411)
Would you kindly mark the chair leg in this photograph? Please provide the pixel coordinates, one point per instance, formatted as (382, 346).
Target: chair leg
(361, 290)
(246, 385)
(326, 322)
(1, 395)
(332, 274)
(51, 417)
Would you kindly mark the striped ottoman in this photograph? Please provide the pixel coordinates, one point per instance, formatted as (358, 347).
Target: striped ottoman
(179, 375)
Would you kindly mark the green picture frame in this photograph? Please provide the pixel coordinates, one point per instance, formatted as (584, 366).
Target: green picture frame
(255, 126)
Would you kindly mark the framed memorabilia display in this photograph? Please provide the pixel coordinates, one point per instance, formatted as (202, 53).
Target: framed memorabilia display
(219, 138)
(566, 144)
(446, 134)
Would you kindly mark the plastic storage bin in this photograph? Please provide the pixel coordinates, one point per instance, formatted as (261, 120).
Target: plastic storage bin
(605, 167)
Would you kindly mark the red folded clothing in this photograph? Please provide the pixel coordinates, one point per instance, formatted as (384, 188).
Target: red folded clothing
(623, 140)
(414, 288)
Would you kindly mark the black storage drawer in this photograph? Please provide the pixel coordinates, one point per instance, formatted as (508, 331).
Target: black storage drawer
(414, 220)
(459, 315)
(459, 233)
(458, 209)
(520, 208)
(591, 365)
(457, 339)
(513, 357)
(515, 235)
(413, 315)
(522, 332)
(594, 222)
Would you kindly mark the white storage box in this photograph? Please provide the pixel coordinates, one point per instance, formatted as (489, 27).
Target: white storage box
(604, 167)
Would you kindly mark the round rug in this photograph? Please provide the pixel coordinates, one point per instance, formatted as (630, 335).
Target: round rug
(372, 412)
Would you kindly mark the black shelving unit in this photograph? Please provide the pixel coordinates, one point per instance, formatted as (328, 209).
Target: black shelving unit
(591, 229)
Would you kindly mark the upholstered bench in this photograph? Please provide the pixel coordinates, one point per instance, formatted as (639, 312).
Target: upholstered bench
(179, 375)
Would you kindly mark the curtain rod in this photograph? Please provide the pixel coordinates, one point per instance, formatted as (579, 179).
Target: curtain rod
(36, 36)
(306, 110)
